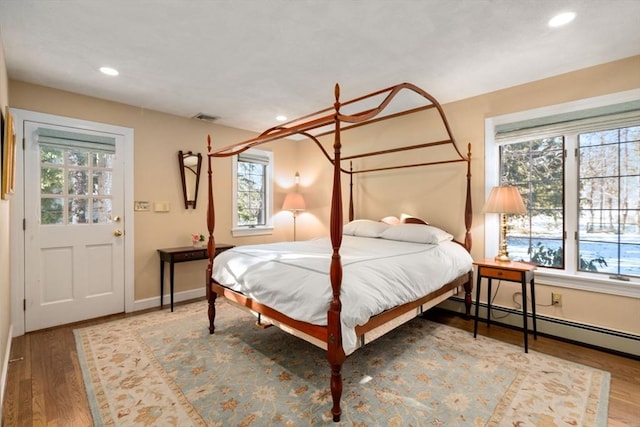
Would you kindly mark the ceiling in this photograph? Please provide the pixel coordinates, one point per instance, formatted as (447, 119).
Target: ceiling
(246, 61)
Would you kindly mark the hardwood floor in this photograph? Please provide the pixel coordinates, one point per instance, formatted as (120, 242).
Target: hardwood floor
(45, 386)
(44, 380)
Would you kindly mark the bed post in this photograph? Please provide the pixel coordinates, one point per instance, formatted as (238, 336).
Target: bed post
(351, 215)
(468, 218)
(211, 245)
(468, 209)
(335, 352)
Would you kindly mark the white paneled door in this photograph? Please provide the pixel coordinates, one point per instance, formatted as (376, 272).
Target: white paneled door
(74, 224)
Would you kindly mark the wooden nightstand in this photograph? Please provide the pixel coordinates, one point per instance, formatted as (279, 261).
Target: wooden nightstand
(512, 271)
(183, 254)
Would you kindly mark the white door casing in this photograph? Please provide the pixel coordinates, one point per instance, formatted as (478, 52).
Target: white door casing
(75, 269)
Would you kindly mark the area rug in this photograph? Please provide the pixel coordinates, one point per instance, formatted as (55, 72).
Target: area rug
(164, 369)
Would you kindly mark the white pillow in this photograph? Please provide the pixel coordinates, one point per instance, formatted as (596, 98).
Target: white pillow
(364, 228)
(417, 233)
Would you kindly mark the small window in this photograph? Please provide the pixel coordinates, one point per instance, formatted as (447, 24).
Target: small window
(76, 177)
(252, 193)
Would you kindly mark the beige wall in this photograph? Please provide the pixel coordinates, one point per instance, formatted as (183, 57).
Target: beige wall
(5, 288)
(423, 192)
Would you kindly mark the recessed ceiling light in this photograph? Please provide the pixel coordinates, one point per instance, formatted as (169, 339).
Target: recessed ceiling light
(281, 118)
(562, 19)
(109, 71)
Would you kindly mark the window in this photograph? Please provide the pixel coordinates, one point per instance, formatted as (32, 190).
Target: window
(252, 193)
(536, 168)
(609, 207)
(76, 177)
(577, 167)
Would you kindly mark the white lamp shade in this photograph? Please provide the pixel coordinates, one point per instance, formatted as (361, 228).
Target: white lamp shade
(505, 199)
(293, 202)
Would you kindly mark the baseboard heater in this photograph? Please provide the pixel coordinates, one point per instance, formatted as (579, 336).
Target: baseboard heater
(609, 340)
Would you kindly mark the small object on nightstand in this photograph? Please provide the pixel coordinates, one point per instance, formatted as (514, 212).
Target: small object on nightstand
(512, 271)
(182, 254)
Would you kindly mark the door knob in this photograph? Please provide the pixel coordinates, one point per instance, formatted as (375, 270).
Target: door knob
(116, 218)
(117, 233)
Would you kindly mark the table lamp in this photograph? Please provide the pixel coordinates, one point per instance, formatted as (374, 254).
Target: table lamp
(504, 200)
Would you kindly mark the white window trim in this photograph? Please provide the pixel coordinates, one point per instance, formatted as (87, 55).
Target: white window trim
(237, 231)
(577, 280)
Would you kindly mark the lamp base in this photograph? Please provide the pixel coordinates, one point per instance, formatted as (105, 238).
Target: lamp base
(503, 255)
(502, 258)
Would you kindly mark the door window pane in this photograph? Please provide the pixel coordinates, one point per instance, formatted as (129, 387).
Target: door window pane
(78, 211)
(51, 180)
(51, 211)
(102, 160)
(102, 211)
(78, 182)
(77, 157)
(51, 155)
(102, 182)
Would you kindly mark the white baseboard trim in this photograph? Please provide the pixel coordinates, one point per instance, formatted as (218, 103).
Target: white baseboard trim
(144, 304)
(594, 336)
(5, 370)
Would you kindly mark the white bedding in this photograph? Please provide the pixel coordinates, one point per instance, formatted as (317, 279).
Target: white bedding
(378, 274)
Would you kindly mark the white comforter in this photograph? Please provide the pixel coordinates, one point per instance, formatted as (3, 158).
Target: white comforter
(378, 274)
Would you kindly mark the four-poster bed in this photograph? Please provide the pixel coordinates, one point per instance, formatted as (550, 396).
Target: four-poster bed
(331, 329)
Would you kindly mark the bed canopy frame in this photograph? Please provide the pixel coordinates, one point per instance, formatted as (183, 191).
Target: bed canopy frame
(331, 121)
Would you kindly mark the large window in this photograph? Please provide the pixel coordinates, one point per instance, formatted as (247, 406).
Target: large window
(252, 193)
(578, 171)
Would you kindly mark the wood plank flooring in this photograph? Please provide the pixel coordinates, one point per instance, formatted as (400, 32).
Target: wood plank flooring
(45, 386)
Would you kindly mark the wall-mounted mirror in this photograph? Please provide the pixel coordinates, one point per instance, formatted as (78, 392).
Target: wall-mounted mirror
(190, 173)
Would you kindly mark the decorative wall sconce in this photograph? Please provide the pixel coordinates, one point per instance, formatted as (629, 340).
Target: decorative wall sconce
(190, 165)
(294, 202)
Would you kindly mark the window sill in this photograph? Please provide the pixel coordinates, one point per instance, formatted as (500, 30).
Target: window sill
(588, 282)
(251, 231)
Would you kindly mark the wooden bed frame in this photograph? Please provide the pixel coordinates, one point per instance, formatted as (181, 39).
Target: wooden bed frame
(330, 336)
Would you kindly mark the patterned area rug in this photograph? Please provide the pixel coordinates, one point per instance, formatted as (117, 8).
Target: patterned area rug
(163, 368)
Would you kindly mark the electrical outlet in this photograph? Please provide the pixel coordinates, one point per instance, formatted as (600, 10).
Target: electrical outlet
(556, 299)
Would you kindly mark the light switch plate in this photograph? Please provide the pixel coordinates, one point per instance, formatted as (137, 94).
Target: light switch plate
(161, 206)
